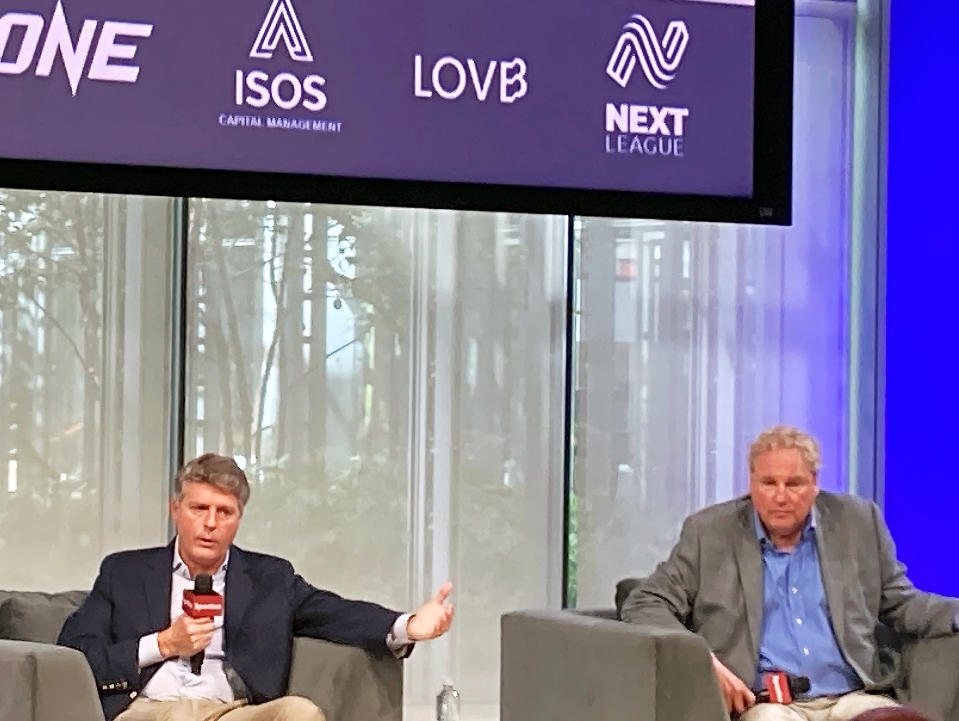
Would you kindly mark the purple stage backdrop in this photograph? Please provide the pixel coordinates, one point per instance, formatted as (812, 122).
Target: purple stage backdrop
(637, 95)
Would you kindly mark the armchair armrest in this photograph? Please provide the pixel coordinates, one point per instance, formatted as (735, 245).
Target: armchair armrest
(347, 683)
(932, 677)
(43, 682)
(565, 666)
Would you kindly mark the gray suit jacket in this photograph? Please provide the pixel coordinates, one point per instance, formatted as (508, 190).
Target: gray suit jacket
(712, 584)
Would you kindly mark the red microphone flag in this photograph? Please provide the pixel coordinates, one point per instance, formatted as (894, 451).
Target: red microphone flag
(202, 605)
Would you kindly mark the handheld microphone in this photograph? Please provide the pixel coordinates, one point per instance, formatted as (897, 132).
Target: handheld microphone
(201, 602)
(781, 687)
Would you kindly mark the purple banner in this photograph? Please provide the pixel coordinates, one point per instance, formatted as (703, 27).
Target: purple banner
(637, 95)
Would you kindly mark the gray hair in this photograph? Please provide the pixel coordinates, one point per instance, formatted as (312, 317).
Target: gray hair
(216, 470)
(786, 437)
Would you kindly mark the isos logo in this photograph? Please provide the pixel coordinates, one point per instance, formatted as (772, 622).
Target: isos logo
(287, 90)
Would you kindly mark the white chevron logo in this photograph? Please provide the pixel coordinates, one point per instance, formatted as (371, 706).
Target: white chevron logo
(639, 43)
(281, 23)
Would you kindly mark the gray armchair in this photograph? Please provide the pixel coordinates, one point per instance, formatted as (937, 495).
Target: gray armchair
(575, 665)
(40, 681)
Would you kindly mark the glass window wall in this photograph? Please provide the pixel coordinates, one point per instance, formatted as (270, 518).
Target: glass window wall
(392, 380)
(86, 322)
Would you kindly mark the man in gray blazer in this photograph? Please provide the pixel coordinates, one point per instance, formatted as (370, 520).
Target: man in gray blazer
(792, 579)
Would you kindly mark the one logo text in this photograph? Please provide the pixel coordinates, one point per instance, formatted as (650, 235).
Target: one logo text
(112, 45)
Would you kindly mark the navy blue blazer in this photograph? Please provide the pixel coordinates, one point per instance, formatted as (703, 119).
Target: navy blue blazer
(266, 605)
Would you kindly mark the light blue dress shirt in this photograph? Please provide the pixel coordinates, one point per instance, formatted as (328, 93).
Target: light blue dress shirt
(797, 636)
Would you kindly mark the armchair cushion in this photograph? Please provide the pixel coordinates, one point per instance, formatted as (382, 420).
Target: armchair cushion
(41, 682)
(931, 678)
(35, 616)
(574, 665)
(347, 682)
(623, 589)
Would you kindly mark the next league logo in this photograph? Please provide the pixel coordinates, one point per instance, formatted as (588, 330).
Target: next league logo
(639, 43)
(639, 128)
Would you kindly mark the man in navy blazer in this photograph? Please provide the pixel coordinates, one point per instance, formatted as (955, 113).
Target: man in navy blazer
(139, 643)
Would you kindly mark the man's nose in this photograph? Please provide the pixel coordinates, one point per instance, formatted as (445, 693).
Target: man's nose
(209, 520)
(780, 496)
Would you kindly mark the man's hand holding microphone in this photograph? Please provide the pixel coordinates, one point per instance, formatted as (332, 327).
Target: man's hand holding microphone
(738, 696)
(192, 631)
(779, 687)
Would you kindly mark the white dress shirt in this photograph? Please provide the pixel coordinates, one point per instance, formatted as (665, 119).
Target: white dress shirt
(174, 679)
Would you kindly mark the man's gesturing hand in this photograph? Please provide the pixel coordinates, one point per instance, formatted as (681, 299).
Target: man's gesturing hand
(737, 694)
(433, 618)
(185, 636)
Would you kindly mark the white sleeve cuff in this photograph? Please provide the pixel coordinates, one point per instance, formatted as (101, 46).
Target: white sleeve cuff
(148, 650)
(397, 640)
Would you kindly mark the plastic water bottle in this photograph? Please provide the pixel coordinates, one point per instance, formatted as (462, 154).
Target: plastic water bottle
(448, 703)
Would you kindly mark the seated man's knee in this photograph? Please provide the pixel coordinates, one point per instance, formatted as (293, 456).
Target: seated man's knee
(770, 712)
(298, 708)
